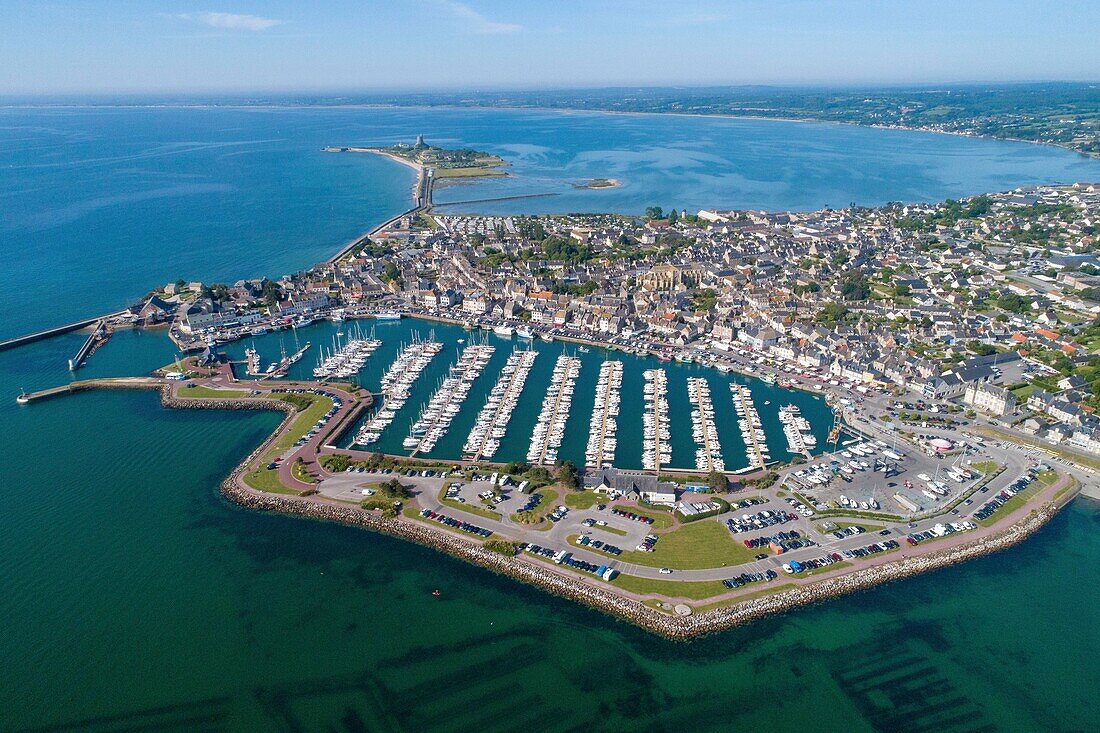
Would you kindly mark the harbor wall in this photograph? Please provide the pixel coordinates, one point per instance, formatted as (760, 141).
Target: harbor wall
(591, 593)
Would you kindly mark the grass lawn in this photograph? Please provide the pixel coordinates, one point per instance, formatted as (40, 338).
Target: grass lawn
(197, 391)
(827, 568)
(693, 589)
(265, 480)
(1046, 478)
(985, 467)
(609, 528)
(582, 499)
(471, 172)
(1013, 503)
(548, 499)
(301, 472)
(660, 521)
(703, 544)
(303, 420)
(468, 508)
(868, 528)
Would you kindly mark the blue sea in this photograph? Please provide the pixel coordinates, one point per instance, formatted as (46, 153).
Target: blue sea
(100, 205)
(135, 598)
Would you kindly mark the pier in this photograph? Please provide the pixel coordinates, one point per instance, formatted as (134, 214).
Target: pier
(709, 456)
(435, 420)
(56, 331)
(750, 425)
(550, 428)
(602, 429)
(89, 344)
(422, 198)
(84, 384)
(493, 419)
(655, 422)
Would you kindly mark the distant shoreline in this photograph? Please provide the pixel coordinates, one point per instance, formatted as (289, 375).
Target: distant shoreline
(564, 110)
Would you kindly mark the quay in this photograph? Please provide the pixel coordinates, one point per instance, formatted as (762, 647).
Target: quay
(84, 384)
(57, 331)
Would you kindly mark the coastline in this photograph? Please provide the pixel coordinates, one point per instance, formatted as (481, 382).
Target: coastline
(717, 615)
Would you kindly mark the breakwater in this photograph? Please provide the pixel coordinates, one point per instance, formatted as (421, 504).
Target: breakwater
(581, 590)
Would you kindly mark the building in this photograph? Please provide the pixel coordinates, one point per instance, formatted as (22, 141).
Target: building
(989, 399)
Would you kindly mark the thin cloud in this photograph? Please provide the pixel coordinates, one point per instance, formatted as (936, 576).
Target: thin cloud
(230, 21)
(477, 22)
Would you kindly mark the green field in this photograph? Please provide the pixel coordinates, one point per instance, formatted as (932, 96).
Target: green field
(199, 391)
(265, 480)
(303, 420)
(660, 521)
(473, 172)
(609, 528)
(582, 499)
(694, 589)
(705, 544)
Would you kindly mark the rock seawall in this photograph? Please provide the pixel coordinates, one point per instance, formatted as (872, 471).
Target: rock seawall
(593, 593)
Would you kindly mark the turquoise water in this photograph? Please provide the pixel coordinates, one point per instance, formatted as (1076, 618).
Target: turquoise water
(133, 597)
(100, 205)
(516, 441)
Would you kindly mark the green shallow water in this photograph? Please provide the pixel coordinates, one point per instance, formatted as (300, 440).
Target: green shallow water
(135, 598)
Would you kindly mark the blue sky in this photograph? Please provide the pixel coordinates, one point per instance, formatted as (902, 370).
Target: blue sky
(91, 46)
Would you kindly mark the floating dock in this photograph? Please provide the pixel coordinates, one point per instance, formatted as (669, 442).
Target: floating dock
(708, 456)
(751, 427)
(603, 426)
(550, 428)
(492, 421)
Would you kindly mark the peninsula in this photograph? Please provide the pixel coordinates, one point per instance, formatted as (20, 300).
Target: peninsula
(459, 163)
(950, 342)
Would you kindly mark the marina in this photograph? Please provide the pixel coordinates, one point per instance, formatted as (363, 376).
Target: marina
(752, 429)
(600, 452)
(657, 450)
(800, 437)
(445, 404)
(514, 422)
(708, 454)
(345, 361)
(546, 439)
(395, 386)
(492, 421)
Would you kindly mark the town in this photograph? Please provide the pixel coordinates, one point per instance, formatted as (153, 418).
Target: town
(953, 344)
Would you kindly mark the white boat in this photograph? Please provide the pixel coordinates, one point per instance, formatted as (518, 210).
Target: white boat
(388, 316)
(504, 331)
(524, 333)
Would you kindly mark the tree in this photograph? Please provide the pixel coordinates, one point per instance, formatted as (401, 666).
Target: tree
(654, 212)
(855, 287)
(717, 482)
(672, 216)
(271, 292)
(568, 476)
